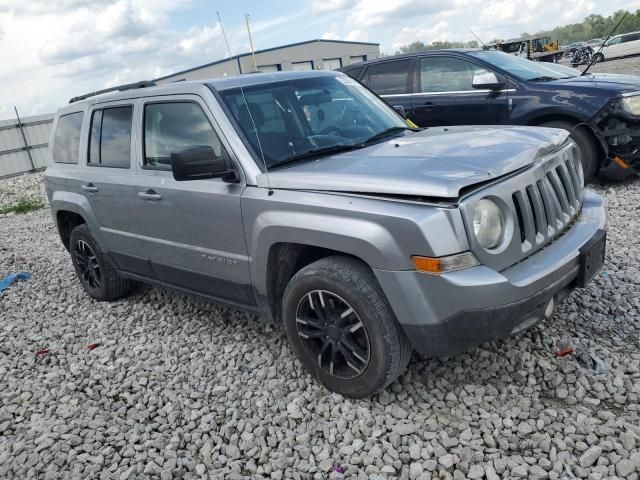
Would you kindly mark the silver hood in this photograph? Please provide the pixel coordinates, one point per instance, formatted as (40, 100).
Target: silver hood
(436, 162)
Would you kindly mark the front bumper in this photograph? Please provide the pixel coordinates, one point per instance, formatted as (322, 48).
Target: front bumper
(450, 313)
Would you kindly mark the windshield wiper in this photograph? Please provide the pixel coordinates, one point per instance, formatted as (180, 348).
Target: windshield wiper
(388, 132)
(342, 147)
(316, 153)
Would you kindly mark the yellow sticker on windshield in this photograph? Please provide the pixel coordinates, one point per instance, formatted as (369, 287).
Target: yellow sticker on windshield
(410, 123)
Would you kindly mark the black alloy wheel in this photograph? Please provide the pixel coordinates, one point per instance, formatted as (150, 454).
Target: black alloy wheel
(88, 264)
(333, 333)
(97, 274)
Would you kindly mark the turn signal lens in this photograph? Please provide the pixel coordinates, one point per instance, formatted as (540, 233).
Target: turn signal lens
(445, 264)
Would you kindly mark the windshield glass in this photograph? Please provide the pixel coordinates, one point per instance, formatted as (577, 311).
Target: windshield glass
(519, 67)
(295, 118)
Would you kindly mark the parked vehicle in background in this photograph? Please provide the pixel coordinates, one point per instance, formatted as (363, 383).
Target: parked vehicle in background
(571, 48)
(581, 56)
(623, 45)
(488, 87)
(594, 43)
(305, 198)
(541, 49)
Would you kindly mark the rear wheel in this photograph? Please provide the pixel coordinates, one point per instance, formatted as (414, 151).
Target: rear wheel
(342, 329)
(589, 151)
(95, 271)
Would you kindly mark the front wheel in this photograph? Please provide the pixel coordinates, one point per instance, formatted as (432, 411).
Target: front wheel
(589, 150)
(342, 329)
(598, 58)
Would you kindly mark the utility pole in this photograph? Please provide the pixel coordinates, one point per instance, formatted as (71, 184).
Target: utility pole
(224, 34)
(253, 53)
(24, 138)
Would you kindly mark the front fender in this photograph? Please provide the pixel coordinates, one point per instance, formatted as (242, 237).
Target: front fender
(381, 233)
(370, 242)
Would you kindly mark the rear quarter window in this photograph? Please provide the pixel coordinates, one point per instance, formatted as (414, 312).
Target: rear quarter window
(66, 142)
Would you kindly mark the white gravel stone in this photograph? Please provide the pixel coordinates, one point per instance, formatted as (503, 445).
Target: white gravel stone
(180, 389)
(625, 468)
(590, 456)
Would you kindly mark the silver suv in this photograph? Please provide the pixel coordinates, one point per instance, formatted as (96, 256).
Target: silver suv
(305, 198)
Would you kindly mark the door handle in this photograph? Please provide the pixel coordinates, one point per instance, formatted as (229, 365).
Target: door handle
(426, 107)
(150, 195)
(90, 187)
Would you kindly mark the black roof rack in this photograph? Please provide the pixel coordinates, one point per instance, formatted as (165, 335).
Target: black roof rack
(121, 88)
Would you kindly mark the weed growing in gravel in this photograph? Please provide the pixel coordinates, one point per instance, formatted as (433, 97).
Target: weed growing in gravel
(24, 205)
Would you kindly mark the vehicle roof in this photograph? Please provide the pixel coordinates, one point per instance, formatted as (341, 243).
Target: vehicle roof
(194, 86)
(411, 55)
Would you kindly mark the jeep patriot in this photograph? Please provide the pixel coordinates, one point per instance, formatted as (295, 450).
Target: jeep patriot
(305, 198)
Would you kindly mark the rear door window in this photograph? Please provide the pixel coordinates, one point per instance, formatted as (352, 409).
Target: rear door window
(66, 143)
(110, 138)
(389, 78)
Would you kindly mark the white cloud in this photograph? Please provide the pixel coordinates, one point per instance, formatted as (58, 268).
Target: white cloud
(53, 56)
(438, 32)
(367, 13)
(330, 36)
(357, 36)
(323, 6)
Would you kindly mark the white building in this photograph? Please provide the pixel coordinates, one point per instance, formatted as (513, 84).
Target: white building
(310, 55)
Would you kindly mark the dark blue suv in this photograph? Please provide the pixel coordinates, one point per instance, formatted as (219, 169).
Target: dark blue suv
(488, 87)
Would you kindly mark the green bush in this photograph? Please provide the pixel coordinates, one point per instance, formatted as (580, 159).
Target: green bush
(24, 205)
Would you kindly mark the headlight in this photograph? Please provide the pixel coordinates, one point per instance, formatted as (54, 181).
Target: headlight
(488, 223)
(631, 104)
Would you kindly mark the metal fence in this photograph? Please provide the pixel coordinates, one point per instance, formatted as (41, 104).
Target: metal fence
(23, 144)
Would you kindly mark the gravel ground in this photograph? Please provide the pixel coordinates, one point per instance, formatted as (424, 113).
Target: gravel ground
(178, 388)
(627, 66)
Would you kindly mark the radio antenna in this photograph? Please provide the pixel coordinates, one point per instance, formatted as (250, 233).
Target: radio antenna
(478, 38)
(253, 52)
(224, 34)
(595, 55)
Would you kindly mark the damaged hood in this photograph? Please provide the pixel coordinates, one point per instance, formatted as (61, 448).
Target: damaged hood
(436, 162)
(615, 83)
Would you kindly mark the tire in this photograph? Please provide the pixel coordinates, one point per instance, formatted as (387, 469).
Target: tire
(598, 58)
(96, 273)
(320, 294)
(589, 150)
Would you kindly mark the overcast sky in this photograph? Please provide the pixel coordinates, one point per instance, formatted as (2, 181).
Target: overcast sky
(51, 50)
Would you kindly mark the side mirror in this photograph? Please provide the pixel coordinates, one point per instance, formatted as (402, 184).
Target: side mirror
(200, 162)
(400, 109)
(486, 80)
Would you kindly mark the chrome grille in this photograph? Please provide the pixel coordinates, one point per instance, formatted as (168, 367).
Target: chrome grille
(545, 207)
